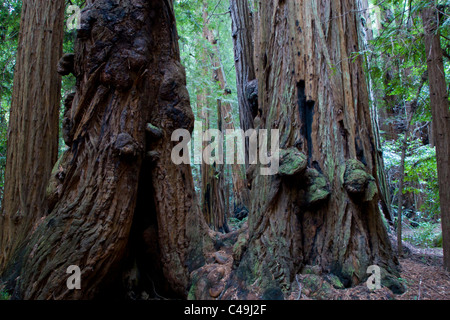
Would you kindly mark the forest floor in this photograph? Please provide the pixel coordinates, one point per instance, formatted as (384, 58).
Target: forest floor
(421, 272)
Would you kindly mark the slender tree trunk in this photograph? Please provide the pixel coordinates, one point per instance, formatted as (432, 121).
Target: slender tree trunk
(322, 208)
(441, 119)
(400, 189)
(213, 199)
(240, 190)
(130, 97)
(366, 35)
(390, 102)
(243, 31)
(34, 122)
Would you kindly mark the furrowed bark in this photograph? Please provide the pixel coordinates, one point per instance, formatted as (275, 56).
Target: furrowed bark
(33, 125)
(325, 213)
(130, 97)
(441, 119)
(243, 31)
(240, 190)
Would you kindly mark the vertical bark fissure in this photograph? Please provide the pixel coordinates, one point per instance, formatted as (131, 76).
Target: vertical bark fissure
(441, 118)
(130, 96)
(316, 95)
(33, 126)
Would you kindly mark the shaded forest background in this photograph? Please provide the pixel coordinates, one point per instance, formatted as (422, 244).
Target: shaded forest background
(396, 65)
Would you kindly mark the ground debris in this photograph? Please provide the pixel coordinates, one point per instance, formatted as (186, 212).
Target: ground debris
(422, 273)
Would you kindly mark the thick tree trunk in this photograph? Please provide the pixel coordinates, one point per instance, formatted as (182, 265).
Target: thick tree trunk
(441, 119)
(322, 208)
(130, 97)
(34, 122)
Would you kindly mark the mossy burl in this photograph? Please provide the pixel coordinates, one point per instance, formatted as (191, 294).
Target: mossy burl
(358, 182)
(317, 189)
(292, 162)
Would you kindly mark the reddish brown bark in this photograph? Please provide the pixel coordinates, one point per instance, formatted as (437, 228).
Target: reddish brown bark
(243, 31)
(118, 169)
(240, 190)
(441, 119)
(33, 125)
(326, 214)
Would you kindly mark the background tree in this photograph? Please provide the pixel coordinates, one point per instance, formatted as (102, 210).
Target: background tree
(399, 41)
(34, 122)
(243, 32)
(441, 117)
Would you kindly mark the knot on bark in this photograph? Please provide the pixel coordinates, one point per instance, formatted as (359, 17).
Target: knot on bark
(175, 97)
(153, 156)
(317, 189)
(126, 146)
(154, 132)
(86, 22)
(66, 64)
(358, 183)
(292, 162)
(58, 175)
(251, 94)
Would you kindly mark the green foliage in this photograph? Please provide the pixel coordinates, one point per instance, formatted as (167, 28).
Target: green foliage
(9, 33)
(195, 52)
(4, 295)
(236, 224)
(398, 68)
(425, 235)
(420, 173)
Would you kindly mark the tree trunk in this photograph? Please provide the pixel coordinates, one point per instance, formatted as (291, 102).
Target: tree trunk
(441, 119)
(243, 31)
(366, 35)
(240, 190)
(34, 122)
(322, 208)
(130, 97)
(388, 112)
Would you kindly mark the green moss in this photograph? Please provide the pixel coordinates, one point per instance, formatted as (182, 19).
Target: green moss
(371, 191)
(4, 295)
(317, 190)
(238, 248)
(316, 270)
(358, 182)
(318, 289)
(193, 289)
(292, 162)
(393, 284)
(335, 281)
(154, 131)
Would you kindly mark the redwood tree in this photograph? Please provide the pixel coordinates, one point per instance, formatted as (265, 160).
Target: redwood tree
(321, 209)
(441, 119)
(117, 185)
(243, 32)
(240, 190)
(33, 123)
